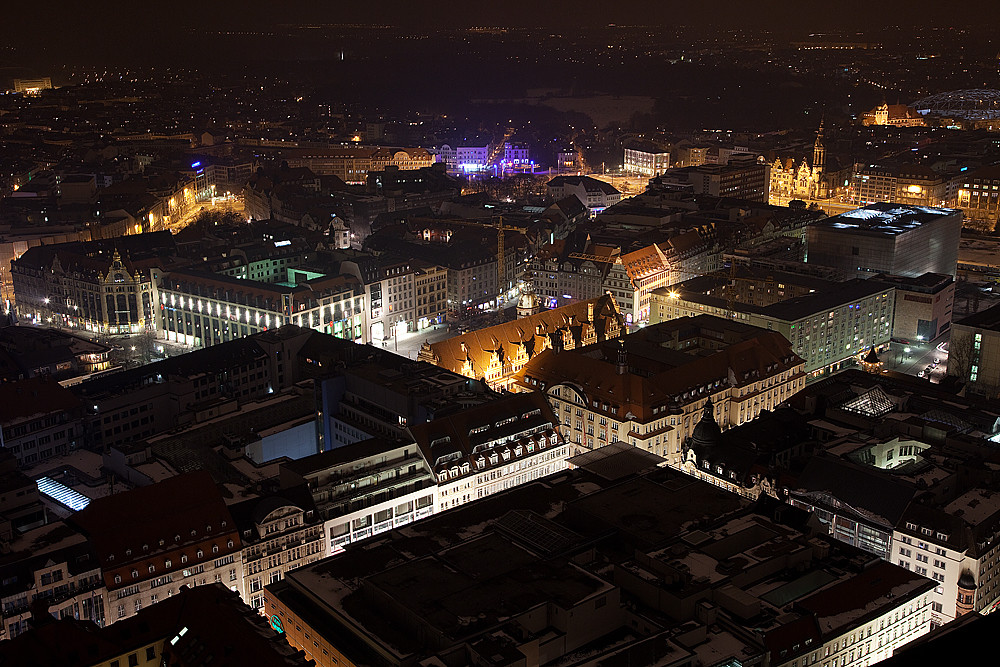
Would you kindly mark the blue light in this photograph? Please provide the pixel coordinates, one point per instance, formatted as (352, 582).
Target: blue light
(62, 493)
(964, 169)
(195, 165)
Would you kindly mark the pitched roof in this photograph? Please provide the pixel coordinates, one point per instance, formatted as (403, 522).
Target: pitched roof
(480, 346)
(34, 396)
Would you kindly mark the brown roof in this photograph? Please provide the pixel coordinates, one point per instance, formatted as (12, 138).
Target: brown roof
(479, 346)
(150, 524)
(450, 441)
(666, 374)
(34, 396)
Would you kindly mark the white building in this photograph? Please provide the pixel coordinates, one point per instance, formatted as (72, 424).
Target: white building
(650, 162)
(957, 545)
(595, 194)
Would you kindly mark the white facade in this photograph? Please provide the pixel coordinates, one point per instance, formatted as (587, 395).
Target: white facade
(873, 641)
(647, 163)
(502, 466)
(285, 543)
(379, 518)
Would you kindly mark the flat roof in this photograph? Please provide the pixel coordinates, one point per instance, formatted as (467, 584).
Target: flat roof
(886, 219)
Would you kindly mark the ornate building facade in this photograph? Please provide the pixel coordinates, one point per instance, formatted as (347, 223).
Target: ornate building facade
(496, 354)
(802, 180)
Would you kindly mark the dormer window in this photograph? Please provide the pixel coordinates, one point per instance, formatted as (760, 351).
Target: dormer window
(229, 544)
(135, 574)
(215, 548)
(118, 578)
(184, 558)
(128, 552)
(167, 564)
(152, 569)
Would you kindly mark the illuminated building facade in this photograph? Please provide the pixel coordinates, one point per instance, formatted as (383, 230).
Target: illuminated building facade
(974, 351)
(979, 197)
(887, 238)
(32, 86)
(805, 181)
(649, 388)
(911, 185)
(594, 193)
(893, 115)
(646, 161)
(496, 354)
(956, 545)
(827, 327)
(203, 309)
(152, 540)
(279, 532)
(101, 286)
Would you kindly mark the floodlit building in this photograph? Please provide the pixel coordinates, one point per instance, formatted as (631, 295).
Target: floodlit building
(650, 388)
(979, 197)
(828, 325)
(152, 540)
(101, 286)
(525, 579)
(909, 184)
(887, 238)
(496, 354)
(594, 193)
(646, 160)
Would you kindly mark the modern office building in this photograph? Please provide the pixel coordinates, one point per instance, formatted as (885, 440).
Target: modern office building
(974, 351)
(887, 238)
(908, 184)
(742, 178)
(828, 327)
(979, 196)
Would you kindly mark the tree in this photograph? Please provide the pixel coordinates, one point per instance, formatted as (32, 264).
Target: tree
(961, 353)
(144, 344)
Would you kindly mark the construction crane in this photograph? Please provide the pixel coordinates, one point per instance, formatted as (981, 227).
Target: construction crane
(496, 223)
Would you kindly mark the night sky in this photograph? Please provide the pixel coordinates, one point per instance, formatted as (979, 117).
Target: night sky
(80, 23)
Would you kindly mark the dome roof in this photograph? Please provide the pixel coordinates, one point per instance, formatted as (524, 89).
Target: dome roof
(706, 432)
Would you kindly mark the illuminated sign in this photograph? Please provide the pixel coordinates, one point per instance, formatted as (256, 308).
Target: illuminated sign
(276, 623)
(195, 165)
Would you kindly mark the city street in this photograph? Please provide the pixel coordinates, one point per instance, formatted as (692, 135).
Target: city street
(408, 344)
(913, 357)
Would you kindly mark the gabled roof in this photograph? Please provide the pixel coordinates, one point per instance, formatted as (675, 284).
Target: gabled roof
(481, 346)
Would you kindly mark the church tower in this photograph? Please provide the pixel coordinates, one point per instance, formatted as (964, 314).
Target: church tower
(819, 151)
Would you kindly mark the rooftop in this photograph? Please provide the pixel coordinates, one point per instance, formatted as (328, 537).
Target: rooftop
(885, 219)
